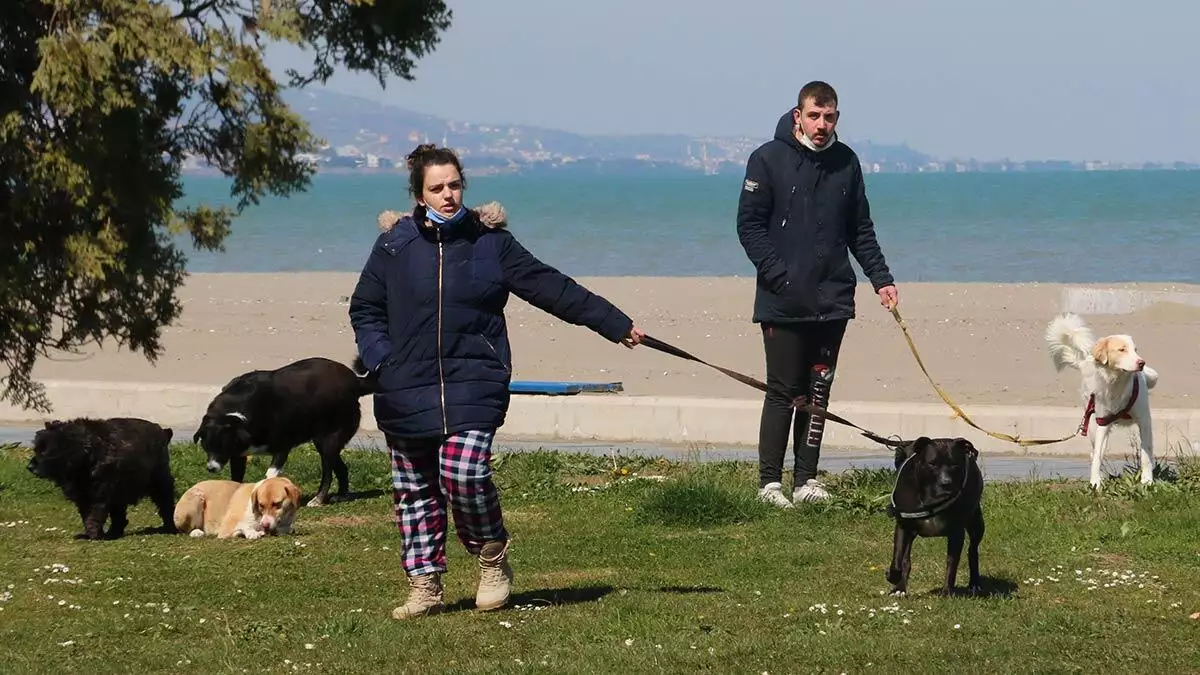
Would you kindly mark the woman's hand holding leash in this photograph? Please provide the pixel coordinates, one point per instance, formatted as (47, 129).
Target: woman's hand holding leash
(634, 338)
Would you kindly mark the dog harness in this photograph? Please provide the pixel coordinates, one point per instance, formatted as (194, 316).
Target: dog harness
(1123, 414)
(926, 510)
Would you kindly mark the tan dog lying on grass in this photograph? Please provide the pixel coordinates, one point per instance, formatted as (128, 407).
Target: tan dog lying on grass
(228, 508)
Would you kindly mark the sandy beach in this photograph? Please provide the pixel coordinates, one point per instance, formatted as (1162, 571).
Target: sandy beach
(982, 342)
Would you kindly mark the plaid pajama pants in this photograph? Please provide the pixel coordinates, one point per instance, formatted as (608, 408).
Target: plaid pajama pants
(429, 473)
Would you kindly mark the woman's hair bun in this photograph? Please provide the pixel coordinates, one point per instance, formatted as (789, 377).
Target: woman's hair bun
(412, 159)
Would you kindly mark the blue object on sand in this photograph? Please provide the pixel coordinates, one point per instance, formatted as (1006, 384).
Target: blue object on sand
(562, 388)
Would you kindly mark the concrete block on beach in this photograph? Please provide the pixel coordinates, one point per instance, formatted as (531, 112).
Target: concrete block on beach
(1085, 300)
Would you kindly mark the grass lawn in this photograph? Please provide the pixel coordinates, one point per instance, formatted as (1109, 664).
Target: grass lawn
(613, 574)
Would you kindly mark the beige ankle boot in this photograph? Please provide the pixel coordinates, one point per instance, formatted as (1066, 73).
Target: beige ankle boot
(424, 599)
(495, 576)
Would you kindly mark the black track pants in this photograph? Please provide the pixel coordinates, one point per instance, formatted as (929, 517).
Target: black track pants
(801, 359)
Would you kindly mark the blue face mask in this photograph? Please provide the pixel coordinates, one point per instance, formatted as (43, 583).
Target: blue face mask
(443, 220)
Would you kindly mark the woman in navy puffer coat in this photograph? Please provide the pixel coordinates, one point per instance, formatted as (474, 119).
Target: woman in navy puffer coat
(428, 318)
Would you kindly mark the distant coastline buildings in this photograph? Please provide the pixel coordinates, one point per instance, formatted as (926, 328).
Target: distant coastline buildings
(350, 158)
(368, 136)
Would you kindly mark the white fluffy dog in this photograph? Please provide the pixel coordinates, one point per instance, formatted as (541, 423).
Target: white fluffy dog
(1116, 385)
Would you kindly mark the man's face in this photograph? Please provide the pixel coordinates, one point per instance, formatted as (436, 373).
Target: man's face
(817, 122)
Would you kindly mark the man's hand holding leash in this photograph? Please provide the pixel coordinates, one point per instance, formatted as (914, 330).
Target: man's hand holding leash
(889, 297)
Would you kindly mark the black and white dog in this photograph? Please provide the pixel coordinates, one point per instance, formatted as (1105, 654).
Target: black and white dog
(272, 411)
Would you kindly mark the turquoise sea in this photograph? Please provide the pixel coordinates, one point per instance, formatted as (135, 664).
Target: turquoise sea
(1001, 227)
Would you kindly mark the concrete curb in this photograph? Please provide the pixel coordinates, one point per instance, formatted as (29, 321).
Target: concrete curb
(651, 419)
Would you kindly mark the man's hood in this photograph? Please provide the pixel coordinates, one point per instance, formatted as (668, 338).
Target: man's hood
(785, 131)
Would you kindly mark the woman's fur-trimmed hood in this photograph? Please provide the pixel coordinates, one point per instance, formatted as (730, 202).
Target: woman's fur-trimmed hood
(491, 214)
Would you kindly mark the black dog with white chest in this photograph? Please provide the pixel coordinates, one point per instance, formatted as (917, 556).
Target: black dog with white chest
(272, 411)
(104, 466)
(938, 493)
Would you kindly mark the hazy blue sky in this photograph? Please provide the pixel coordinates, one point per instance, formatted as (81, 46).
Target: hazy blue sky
(1024, 79)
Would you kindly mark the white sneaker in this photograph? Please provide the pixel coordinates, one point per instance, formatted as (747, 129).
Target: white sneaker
(772, 493)
(811, 491)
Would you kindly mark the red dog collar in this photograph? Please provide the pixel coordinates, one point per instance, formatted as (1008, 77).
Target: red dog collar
(1105, 421)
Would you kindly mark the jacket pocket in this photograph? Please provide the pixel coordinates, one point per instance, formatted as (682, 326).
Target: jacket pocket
(496, 353)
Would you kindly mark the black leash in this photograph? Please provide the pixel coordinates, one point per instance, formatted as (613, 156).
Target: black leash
(655, 343)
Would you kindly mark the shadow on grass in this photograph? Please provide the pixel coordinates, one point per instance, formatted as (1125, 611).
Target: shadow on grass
(989, 587)
(548, 597)
(350, 496)
(994, 587)
(150, 530)
(153, 530)
(575, 596)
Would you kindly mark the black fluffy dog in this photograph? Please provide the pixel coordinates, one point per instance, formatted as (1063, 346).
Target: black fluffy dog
(273, 411)
(938, 493)
(105, 466)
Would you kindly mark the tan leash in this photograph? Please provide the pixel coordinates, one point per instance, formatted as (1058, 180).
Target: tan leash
(958, 411)
(667, 348)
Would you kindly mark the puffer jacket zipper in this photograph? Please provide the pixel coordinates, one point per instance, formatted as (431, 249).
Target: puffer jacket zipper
(441, 372)
(787, 212)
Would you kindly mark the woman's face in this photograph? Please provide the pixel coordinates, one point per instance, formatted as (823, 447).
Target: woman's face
(443, 189)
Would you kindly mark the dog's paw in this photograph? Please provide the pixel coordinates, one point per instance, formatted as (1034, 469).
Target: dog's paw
(196, 533)
(317, 501)
(898, 593)
(252, 534)
(975, 590)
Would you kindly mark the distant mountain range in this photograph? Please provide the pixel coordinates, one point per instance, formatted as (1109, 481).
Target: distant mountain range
(363, 134)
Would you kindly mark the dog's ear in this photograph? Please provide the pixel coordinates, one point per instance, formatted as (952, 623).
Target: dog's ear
(238, 423)
(922, 446)
(201, 429)
(964, 450)
(1100, 351)
(293, 493)
(254, 508)
(903, 450)
(168, 434)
